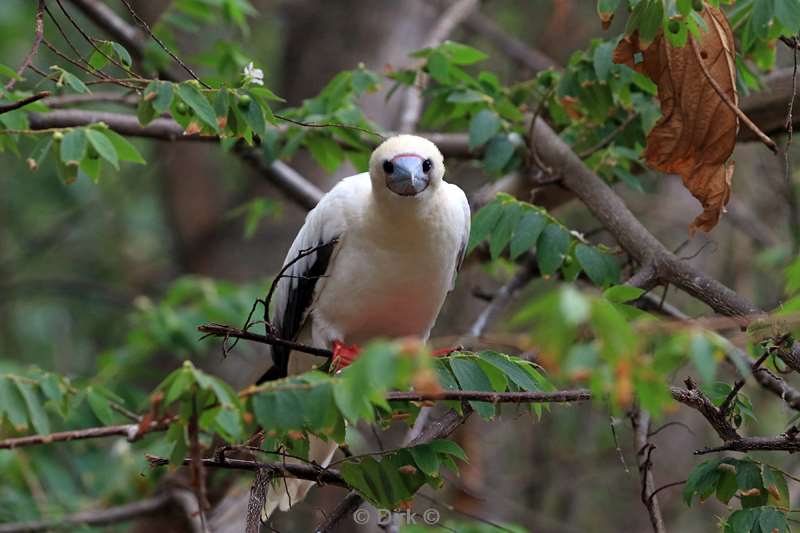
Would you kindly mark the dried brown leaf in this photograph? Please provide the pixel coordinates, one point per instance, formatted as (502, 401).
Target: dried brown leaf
(696, 134)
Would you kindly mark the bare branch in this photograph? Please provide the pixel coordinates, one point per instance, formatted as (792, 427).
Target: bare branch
(641, 428)
(37, 40)
(784, 443)
(5, 108)
(100, 517)
(130, 431)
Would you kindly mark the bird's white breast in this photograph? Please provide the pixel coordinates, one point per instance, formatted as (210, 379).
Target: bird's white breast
(390, 275)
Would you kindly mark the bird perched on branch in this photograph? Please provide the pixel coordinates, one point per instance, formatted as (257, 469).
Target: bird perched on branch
(386, 246)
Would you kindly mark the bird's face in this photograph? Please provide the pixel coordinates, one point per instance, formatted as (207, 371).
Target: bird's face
(406, 165)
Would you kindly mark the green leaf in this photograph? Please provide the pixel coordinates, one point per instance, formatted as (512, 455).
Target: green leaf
(448, 447)
(100, 406)
(386, 484)
(483, 126)
(772, 521)
(325, 151)
(748, 476)
(125, 150)
(483, 223)
(774, 479)
(104, 146)
(592, 263)
(35, 409)
(606, 10)
(551, 248)
(527, 232)
(75, 83)
(11, 404)
(498, 153)
(788, 14)
(603, 59)
(742, 521)
(501, 234)
(122, 53)
(164, 95)
(470, 376)
(195, 99)
(176, 434)
(145, 112)
(73, 147)
(726, 487)
(511, 369)
(702, 480)
(621, 294)
(439, 67)
(461, 54)
(426, 459)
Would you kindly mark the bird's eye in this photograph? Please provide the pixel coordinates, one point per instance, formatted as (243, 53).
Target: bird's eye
(427, 165)
(388, 167)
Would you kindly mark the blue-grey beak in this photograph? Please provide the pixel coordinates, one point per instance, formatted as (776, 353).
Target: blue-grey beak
(408, 177)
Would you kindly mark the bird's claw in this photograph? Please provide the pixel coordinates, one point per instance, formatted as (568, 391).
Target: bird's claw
(343, 355)
(444, 352)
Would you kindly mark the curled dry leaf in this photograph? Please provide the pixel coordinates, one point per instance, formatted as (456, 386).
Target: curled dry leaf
(697, 130)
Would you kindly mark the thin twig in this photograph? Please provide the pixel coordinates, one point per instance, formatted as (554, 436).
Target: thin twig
(5, 108)
(160, 43)
(37, 40)
(130, 431)
(641, 426)
(608, 139)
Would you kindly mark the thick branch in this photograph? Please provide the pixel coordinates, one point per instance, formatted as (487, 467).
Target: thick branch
(784, 443)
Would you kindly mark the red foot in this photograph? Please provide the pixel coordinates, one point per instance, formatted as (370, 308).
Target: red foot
(443, 352)
(343, 355)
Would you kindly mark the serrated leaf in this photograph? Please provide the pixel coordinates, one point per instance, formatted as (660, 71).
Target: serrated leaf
(461, 54)
(511, 369)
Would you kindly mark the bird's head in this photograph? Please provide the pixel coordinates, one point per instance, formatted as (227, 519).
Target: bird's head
(406, 165)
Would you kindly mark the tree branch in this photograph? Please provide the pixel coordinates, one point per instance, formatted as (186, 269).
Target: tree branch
(515, 49)
(640, 420)
(37, 40)
(131, 431)
(100, 517)
(5, 108)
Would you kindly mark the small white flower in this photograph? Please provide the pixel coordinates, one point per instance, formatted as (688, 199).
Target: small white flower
(253, 75)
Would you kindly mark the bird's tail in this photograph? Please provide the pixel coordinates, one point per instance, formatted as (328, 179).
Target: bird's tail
(286, 492)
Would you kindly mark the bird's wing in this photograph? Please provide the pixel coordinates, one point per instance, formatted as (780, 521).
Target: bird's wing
(296, 292)
(457, 196)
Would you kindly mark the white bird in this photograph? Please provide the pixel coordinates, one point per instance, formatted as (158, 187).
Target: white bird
(389, 243)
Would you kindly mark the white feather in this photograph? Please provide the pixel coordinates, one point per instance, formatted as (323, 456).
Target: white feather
(395, 261)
